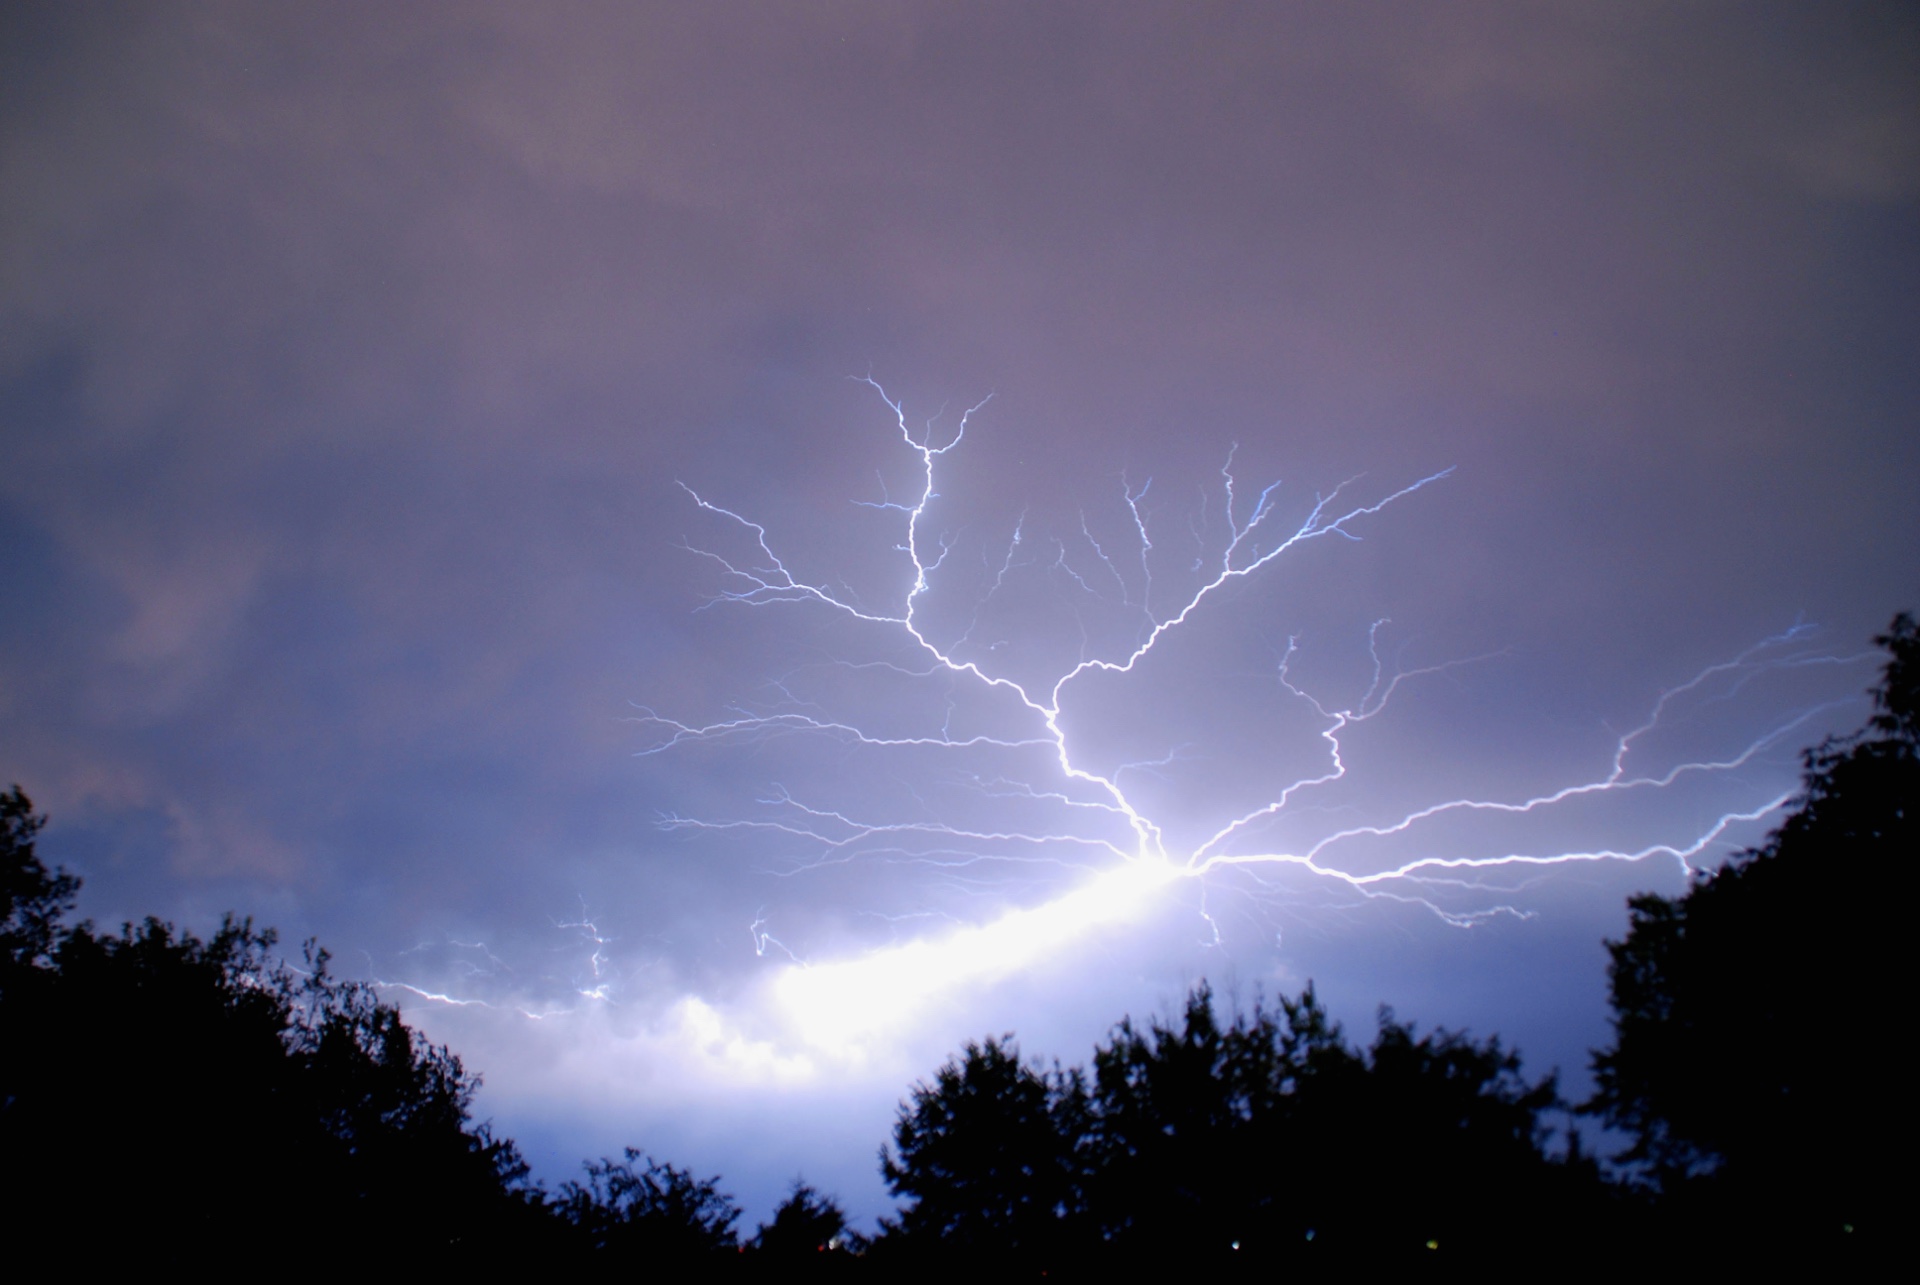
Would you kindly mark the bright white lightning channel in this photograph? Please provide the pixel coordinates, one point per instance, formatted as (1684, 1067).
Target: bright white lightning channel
(836, 1002)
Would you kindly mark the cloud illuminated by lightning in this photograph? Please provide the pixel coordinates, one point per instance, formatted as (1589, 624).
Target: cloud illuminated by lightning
(1060, 808)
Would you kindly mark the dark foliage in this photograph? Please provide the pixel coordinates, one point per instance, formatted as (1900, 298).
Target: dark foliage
(806, 1226)
(169, 1096)
(1184, 1117)
(1750, 1060)
(1239, 1146)
(165, 1098)
(32, 900)
(985, 1157)
(644, 1212)
(1268, 1139)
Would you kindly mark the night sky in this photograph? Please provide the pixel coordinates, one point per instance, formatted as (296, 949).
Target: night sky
(360, 366)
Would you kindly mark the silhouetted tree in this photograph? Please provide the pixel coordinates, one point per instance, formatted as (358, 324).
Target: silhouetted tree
(650, 1214)
(1267, 1138)
(1240, 1146)
(985, 1158)
(1184, 1118)
(199, 1097)
(1751, 1059)
(1438, 1147)
(32, 899)
(805, 1228)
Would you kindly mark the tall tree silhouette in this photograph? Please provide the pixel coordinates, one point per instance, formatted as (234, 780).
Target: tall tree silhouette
(1751, 1059)
(32, 898)
(1188, 1119)
(985, 1158)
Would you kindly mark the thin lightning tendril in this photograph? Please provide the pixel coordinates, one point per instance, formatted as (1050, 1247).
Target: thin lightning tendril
(1134, 872)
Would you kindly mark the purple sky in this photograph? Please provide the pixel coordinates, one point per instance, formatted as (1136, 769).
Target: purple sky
(350, 356)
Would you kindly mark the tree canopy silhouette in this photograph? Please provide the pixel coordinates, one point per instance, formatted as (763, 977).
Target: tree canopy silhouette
(1267, 1138)
(1749, 1061)
(32, 899)
(985, 1156)
(195, 1095)
(203, 1097)
(649, 1213)
(1254, 1141)
(809, 1232)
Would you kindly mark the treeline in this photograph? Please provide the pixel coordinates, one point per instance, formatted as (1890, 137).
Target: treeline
(1257, 1141)
(165, 1098)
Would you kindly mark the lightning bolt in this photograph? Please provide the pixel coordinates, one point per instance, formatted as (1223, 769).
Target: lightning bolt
(598, 986)
(1062, 808)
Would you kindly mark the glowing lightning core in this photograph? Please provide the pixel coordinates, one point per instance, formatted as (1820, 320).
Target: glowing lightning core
(834, 1002)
